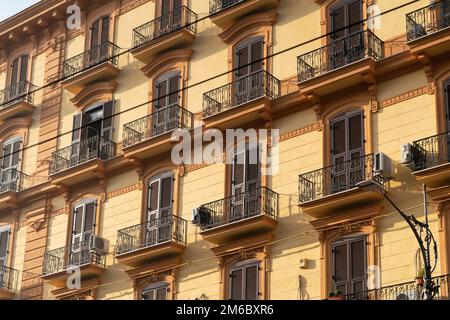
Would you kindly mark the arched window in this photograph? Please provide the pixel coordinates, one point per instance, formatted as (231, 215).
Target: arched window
(10, 170)
(155, 291)
(99, 45)
(349, 264)
(159, 209)
(244, 280)
(5, 232)
(18, 78)
(167, 106)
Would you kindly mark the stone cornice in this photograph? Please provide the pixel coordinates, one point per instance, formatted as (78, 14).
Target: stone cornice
(92, 93)
(182, 55)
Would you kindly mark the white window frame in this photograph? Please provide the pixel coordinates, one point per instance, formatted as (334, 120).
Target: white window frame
(155, 287)
(243, 265)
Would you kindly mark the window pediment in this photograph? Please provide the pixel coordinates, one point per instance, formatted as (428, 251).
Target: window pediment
(99, 91)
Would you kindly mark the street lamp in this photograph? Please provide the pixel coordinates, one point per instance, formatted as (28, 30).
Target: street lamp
(430, 288)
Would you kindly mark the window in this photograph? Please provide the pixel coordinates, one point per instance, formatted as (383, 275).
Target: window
(167, 110)
(349, 265)
(99, 40)
(244, 281)
(245, 184)
(170, 15)
(159, 209)
(345, 19)
(95, 121)
(250, 81)
(18, 79)
(447, 103)
(155, 292)
(347, 150)
(4, 245)
(10, 165)
(83, 226)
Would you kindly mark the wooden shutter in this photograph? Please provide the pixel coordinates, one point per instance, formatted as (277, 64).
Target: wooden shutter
(251, 283)
(166, 196)
(236, 284)
(257, 54)
(15, 71)
(177, 13)
(77, 226)
(358, 265)
(11, 155)
(76, 133)
(105, 30)
(242, 56)
(161, 92)
(16, 153)
(95, 30)
(23, 68)
(4, 244)
(238, 171)
(174, 86)
(89, 220)
(354, 17)
(447, 103)
(107, 123)
(161, 293)
(340, 261)
(338, 23)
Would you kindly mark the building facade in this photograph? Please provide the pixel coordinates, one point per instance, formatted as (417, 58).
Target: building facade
(89, 190)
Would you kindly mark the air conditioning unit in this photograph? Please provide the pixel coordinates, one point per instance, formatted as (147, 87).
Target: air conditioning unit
(98, 245)
(383, 166)
(406, 154)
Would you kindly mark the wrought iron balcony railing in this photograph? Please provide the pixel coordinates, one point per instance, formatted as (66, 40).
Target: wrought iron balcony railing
(151, 233)
(74, 255)
(80, 152)
(336, 178)
(216, 6)
(15, 181)
(164, 25)
(257, 85)
(257, 202)
(106, 51)
(8, 279)
(404, 291)
(157, 123)
(340, 53)
(428, 20)
(432, 151)
(21, 91)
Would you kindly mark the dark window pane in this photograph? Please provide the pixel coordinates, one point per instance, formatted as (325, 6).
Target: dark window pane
(342, 288)
(78, 219)
(338, 136)
(358, 287)
(338, 23)
(4, 244)
(105, 29)
(153, 196)
(165, 7)
(6, 156)
(354, 16)
(161, 89)
(340, 262)
(252, 165)
(236, 285)
(358, 258)
(107, 114)
(242, 56)
(14, 71)
(95, 33)
(161, 294)
(16, 153)
(148, 295)
(257, 53)
(76, 133)
(166, 192)
(251, 283)
(239, 161)
(355, 132)
(174, 87)
(90, 216)
(23, 68)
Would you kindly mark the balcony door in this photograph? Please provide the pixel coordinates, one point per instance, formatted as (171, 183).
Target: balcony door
(159, 213)
(349, 265)
(447, 117)
(245, 185)
(18, 80)
(83, 226)
(244, 281)
(166, 110)
(99, 41)
(90, 129)
(346, 44)
(347, 143)
(4, 247)
(155, 292)
(249, 83)
(10, 165)
(170, 18)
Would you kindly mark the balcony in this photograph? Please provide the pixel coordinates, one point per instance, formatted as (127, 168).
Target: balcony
(81, 161)
(8, 283)
(339, 64)
(240, 101)
(17, 100)
(225, 12)
(404, 291)
(97, 64)
(432, 160)
(322, 192)
(151, 135)
(177, 29)
(239, 216)
(161, 238)
(427, 29)
(59, 262)
(12, 182)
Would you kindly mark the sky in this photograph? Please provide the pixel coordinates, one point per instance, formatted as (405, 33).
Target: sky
(9, 8)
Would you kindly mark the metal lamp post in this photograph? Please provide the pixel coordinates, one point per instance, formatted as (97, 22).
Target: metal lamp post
(430, 288)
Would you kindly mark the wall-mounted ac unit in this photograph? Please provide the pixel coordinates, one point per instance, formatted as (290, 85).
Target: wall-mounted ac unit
(406, 154)
(383, 166)
(98, 244)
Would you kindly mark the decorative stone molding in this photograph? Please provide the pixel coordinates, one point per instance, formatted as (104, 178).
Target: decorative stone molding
(128, 5)
(403, 97)
(164, 59)
(94, 93)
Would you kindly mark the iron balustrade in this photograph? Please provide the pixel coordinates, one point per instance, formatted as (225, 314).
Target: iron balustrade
(96, 147)
(161, 121)
(151, 233)
(336, 178)
(216, 6)
(106, 51)
(428, 20)
(181, 18)
(8, 279)
(404, 291)
(258, 202)
(340, 53)
(257, 85)
(12, 180)
(74, 255)
(432, 151)
(20, 91)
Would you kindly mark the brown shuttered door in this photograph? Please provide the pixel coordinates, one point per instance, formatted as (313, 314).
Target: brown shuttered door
(354, 17)
(236, 284)
(177, 14)
(447, 103)
(251, 283)
(4, 243)
(23, 68)
(15, 71)
(76, 133)
(95, 34)
(107, 123)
